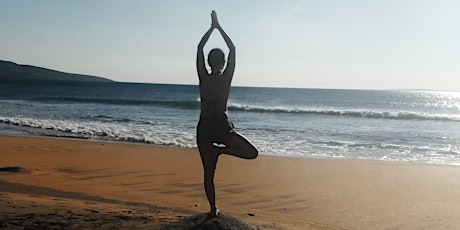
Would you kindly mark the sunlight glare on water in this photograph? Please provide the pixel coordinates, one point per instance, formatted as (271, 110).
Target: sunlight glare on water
(442, 100)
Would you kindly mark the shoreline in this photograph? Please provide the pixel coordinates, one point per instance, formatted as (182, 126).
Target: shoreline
(281, 192)
(28, 135)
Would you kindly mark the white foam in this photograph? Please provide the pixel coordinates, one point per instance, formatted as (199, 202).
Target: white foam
(111, 131)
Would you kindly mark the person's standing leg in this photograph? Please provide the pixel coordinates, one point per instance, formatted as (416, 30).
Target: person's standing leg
(209, 160)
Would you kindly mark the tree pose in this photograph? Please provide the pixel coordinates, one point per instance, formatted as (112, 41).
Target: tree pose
(215, 133)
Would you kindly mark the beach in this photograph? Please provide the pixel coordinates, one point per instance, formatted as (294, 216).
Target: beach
(146, 186)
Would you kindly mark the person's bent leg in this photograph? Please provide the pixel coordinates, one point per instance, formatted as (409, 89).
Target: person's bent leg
(209, 160)
(240, 147)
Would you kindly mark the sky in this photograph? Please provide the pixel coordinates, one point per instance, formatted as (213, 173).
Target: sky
(344, 44)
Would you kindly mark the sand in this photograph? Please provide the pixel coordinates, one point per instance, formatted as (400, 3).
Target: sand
(72, 184)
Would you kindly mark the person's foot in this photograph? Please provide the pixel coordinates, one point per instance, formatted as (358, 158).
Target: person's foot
(213, 213)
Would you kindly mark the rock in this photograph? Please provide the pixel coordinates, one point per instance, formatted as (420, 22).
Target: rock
(202, 222)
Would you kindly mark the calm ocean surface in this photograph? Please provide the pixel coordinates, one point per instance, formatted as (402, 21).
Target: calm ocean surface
(396, 125)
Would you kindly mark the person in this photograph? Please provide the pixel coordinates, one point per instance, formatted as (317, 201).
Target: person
(215, 133)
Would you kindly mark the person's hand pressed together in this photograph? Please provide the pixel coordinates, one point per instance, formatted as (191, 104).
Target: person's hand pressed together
(214, 21)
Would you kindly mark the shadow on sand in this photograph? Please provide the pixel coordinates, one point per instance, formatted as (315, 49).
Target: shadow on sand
(11, 169)
(202, 222)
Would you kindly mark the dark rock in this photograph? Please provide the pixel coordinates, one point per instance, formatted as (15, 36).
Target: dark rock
(203, 222)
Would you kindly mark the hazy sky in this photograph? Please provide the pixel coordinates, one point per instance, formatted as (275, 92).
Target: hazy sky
(391, 44)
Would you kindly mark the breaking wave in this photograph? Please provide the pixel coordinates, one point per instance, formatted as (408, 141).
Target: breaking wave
(102, 131)
(195, 105)
(401, 115)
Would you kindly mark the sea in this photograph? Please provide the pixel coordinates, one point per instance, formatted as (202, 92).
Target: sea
(390, 125)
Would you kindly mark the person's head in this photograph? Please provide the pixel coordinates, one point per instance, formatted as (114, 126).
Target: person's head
(216, 59)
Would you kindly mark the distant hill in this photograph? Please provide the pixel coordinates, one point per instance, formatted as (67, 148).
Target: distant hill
(12, 72)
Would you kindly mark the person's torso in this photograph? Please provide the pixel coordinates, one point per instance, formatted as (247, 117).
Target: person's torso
(214, 92)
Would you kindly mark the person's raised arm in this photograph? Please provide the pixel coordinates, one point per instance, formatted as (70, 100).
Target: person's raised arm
(200, 65)
(231, 56)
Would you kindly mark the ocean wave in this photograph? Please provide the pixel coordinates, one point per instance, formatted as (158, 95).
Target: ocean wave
(401, 115)
(192, 104)
(195, 105)
(107, 118)
(102, 131)
(359, 145)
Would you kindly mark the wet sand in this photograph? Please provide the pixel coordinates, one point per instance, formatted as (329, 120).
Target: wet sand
(92, 184)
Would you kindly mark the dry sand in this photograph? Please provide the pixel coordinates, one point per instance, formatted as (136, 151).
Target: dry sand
(75, 184)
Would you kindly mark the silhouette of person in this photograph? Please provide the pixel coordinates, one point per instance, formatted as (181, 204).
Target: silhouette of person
(215, 133)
